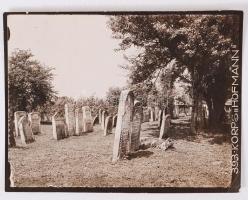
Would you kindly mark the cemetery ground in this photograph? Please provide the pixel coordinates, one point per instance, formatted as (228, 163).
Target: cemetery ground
(86, 161)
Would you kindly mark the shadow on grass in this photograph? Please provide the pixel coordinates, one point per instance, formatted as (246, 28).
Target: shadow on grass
(140, 154)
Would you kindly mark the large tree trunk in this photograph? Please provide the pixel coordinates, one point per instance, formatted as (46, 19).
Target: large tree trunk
(193, 124)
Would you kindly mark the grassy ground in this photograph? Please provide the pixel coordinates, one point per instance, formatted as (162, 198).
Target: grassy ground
(85, 161)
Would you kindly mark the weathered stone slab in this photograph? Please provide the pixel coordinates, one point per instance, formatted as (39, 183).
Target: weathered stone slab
(165, 126)
(160, 117)
(17, 117)
(146, 115)
(59, 127)
(70, 119)
(35, 118)
(136, 126)
(87, 119)
(114, 121)
(152, 115)
(104, 115)
(79, 121)
(25, 130)
(96, 120)
(108, 126)
(123, 127)
(156, 112)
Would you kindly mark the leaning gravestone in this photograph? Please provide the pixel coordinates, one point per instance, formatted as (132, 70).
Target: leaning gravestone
(35, 119)
(136, 126)
(165, 126)
(17, 116)
(70, 119)
(95, 120)
(123, 127)
(104, 115)
(114, 121)
(25, 130)
(87, 119)
(59, 127)
(108, 126)
(79, 121)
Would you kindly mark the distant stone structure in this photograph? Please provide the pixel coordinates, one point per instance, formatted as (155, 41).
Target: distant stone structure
(25, 130)
(123, 127)
(59, 127)
(152, 114)
(108, 126)
(35, 118)
(165, 126)
(70, 119)
(79, 121)
(87, 119)
(160, 117)
(136, 126)
(104, 115)
(17, 117)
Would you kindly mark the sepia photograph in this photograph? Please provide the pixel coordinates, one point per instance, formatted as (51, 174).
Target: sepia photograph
(123, 101)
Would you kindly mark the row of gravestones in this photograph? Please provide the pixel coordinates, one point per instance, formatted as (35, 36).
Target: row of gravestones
(75, 122)
(27, 125)
(130, 117)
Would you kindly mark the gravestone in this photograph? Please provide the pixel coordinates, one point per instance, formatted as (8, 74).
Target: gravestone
(100, 116)
(136, 126)
(146, 115)
(87, 119)
(108, 126)
(79, 121)
(165, 126)
(104, 115)
(35, 119)
(156, 112)
(152, 115)
(114, 121)
(70, 119)
(59, 127)
(25, 130)
(17, 117)
(160, 117)
(96, 120)
(123, 126)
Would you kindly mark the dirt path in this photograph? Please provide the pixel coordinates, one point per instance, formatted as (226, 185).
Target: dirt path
(85, 161)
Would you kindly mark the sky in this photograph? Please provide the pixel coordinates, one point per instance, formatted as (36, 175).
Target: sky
(79, 47)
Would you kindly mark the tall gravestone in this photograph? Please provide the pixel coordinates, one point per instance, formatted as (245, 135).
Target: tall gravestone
(152, 115)
(114, 121)
(123, 127)
(17, 117)
(25, 130)
(160, 117)
(87, 119)
(136, 126)
(79, 121)
(59, 127)
(70, 119)
(108, 126)
(165, 126)
(35, 118)
(104, 115)
(100, 116)
(156, 112)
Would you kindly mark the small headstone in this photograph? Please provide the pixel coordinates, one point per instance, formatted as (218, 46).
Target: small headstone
(114, 121)
(79, 121)
(136, 126)
(123, 127)
(17, 117)
(25, 129)
(96, 120)
(35, 119)
(165, 126)
(108, 126)
(59, 127)
(87, 119)
(70, 119)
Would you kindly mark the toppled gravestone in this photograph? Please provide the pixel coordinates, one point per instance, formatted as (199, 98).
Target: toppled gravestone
(162, 144)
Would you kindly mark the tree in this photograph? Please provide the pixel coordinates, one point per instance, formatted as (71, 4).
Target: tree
(29, 85)
(200, 44)
(112, 99)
